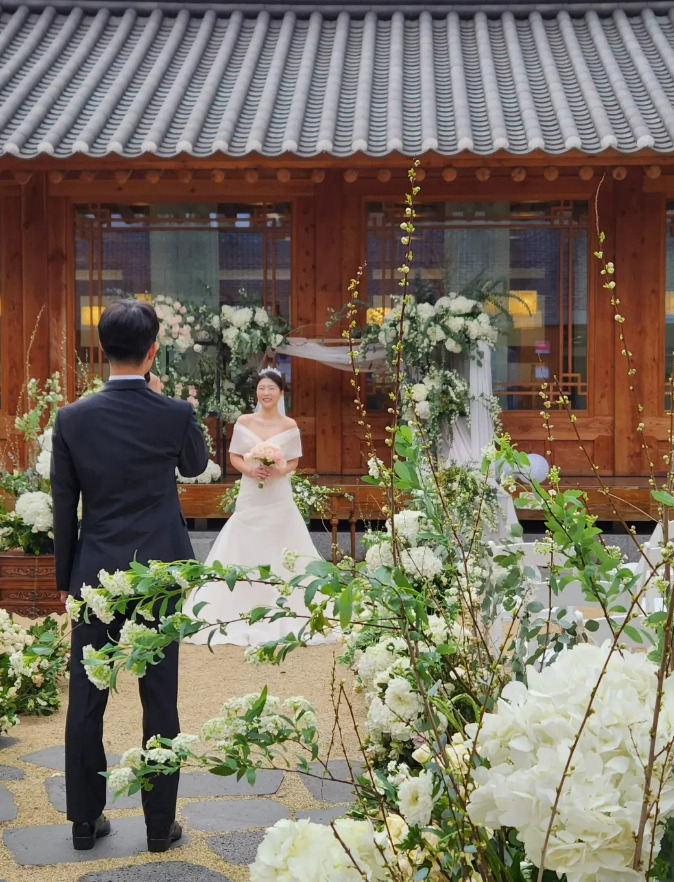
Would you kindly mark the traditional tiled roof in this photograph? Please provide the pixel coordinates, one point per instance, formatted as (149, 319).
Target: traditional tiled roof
(95, 79)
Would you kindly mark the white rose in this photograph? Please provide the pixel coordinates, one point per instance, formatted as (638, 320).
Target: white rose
(415, 799)
(261, 316)
(242, 317)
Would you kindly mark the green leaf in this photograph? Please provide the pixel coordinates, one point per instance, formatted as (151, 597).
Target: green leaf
(592, 625)
(663, 496)
(633, 633)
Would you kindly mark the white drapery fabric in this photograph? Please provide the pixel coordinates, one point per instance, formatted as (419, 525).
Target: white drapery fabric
(334, 355)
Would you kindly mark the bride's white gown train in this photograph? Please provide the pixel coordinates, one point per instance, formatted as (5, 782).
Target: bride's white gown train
(265, 522)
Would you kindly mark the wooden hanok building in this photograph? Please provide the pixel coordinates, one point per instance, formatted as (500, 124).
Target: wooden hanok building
(198, 148)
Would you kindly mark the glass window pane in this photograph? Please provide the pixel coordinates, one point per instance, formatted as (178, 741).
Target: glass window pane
(539, 254)
(213, 253)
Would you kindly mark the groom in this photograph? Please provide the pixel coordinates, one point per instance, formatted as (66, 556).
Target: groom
(119, 449)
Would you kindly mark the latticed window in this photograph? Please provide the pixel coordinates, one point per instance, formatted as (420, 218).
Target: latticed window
(203, 253)
(536, 254)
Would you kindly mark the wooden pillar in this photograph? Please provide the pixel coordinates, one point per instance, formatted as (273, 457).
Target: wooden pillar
(329, 293)
(61, 311)
(304, 317)
(601, 351)
(35, 274)
(639, 259)
(12, 348)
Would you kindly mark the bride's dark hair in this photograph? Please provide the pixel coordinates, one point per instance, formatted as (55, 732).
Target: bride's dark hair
(274, 376)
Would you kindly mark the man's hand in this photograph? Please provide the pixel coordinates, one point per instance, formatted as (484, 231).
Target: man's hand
(63, 595)
(155, 384)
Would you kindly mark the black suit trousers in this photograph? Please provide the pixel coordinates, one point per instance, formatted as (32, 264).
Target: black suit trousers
(85, 755)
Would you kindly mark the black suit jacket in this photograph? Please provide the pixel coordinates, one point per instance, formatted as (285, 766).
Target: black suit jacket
(120, 448)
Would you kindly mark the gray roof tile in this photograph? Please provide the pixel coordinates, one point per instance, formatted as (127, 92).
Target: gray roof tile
(96, 79)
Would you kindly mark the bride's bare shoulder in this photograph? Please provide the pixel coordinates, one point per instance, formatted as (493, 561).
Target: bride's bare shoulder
(244, 419)
(289, 423)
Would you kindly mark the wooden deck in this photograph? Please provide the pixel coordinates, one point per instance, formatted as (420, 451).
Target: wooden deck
(629, 499)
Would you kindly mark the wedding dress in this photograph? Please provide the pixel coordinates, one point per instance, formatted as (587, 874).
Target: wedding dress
(265, 522)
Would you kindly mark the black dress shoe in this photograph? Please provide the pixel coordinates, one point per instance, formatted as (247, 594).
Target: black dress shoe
(163, 843)
(86, 833)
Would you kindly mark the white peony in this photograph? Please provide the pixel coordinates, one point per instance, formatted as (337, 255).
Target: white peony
(261, 316)
(452, 346)
(415, 799)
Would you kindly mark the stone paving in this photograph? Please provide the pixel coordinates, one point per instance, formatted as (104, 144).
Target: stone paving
(235, 812)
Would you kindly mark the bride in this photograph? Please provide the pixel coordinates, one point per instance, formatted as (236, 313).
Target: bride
(265, 522)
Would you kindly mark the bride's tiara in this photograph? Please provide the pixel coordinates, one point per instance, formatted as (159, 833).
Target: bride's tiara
(271, 370)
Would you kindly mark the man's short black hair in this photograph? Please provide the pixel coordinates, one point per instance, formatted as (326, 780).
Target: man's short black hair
(127, 329)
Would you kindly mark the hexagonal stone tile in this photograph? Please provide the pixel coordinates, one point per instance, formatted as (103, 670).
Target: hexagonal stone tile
(322, 816)
(11, 773)
(7, 807)
(237, 848)
(55, 758)
(192, 784)
(325, 790)
(164, 871)
(52, 843)
(223, 816)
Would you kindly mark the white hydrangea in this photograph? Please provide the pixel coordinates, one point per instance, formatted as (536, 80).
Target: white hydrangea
(379, 555)
(43, 464)
(423, 410)
(242, 317)
(34, 509)
(100, 672)
(461, 304)
(132, 757)
(210, 475)
(452, 346)
(420, 562)
(131, 631)
(526, 743)
(261, 316)
(302, 851)
(406, 524)
(415, 799)
(419, 392)
(435, 334)
(229, 336)
(425, 311)
(161, 755)
(182, 741)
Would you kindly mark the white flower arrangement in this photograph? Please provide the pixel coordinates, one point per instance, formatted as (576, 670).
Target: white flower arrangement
(302, 851)
(174, 329)
(525, 746)
(35, 510)
(210, 475)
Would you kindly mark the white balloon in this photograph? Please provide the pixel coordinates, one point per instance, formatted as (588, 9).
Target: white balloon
(537, 470)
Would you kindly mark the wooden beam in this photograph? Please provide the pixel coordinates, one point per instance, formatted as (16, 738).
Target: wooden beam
(55, 176)
(518, 174)
(35, 275)
(652, 171)
(251, 175)
(351, 175)
(121, 176)
(619, 173)
(283, 175)
(449, 174)
(483, 173)
(218, 175)
(153, 175)
(88, 175)
(318, 175)
(586, 172)
(22, 176)
(185, 175)
(13, 351)
(384, 175)
(551, 173)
